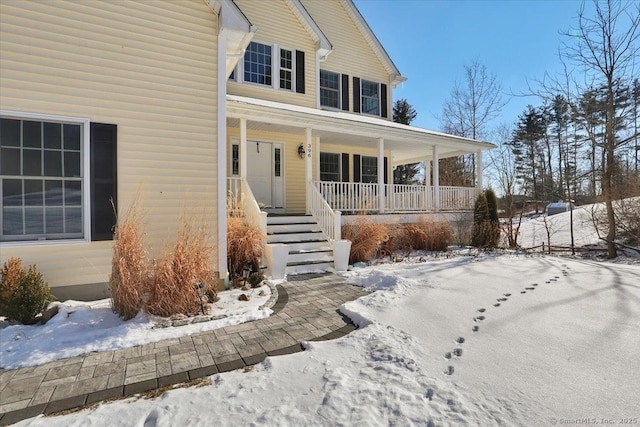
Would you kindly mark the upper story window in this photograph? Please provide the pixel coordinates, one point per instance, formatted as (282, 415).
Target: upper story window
(329, 89)
(370, 98)
(258, 64)
(271, 66)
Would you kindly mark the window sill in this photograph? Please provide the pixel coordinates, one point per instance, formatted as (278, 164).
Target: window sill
(26, 243)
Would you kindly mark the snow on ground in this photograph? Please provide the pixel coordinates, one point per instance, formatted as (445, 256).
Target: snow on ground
(558, 341)
(533, 232)
(82, 327)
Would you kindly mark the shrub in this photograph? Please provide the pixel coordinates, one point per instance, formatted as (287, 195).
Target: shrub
(486, 228)
(244, 243)
(428, 235)
(182, 273)
(23, 293)
(130, 272)
(366, 238)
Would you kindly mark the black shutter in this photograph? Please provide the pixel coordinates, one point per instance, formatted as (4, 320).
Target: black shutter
(386, 170)
(103, 181)
(299, 71)
(345, 92)
(356, 168)
(383, 100)
(356, 95)
(345, 167)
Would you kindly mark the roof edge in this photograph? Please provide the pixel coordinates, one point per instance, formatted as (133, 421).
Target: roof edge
(324, 46)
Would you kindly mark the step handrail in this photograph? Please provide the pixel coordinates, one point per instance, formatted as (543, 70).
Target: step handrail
(329, 221)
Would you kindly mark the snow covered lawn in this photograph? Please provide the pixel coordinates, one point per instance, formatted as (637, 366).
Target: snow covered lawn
(82, 327)
(557, 339)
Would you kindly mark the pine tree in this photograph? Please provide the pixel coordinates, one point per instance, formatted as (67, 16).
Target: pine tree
(404, 113)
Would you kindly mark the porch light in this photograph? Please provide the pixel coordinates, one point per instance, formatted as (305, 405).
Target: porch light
(301, 151)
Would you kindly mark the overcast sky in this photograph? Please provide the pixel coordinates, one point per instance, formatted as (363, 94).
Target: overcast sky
(430, 41)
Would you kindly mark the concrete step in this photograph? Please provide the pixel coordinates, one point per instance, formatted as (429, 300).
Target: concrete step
(290, 219)
(292, 228)
(296, 237)
(309, 246)
(309, 257)
(309, 268)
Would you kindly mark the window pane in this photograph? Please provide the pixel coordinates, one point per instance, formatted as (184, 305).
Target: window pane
(257, 63)
(72, 193)
(33, 195)
(370, 98)
(73, 220)
(54, 220)
(12, 192)
(9, 133)
(277, 162)
(52, 135)
(235, 156)
(10, 162)
(34, 220)
(71, 164)
(72, 137)
(53, 193)
(52, 163)
(12, 221)
(329, 167)
(31, 162)
(329, 89)
(31, 134)
(369, 169)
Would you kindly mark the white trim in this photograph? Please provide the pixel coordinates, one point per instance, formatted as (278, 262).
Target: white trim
(324, 47)
(324, 107)
(379, 98)
(85, 175)
(222, 160)
(339, 154)
(381, 184)
(276, 66)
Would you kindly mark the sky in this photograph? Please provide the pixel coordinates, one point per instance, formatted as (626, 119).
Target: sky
(430, 41)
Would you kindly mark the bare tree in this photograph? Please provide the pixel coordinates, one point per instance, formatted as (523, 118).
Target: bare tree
(605, 47)
(473, 104)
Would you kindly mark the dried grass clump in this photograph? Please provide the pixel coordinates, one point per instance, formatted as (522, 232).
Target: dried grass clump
(366, 238)
(428, 235)
(245, 242)
(130, 267)
(183, 273)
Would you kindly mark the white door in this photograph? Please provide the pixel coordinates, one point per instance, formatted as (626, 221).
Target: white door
(260, 171)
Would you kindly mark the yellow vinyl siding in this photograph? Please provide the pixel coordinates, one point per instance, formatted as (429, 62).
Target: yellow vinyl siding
(352, 54)
(276, 23)
(148, 67)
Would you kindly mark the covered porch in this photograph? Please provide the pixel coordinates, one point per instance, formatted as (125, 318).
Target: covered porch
(296, 160)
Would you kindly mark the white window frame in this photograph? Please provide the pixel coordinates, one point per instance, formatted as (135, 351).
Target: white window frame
(326, 107)
(275, 69)
(362, 157)
(339, 165)
(362, 97)
(85, 174)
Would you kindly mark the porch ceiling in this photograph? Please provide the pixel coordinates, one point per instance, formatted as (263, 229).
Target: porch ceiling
(407, 143)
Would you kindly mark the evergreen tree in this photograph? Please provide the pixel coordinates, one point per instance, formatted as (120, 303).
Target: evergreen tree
(486, 226)
(404, 113)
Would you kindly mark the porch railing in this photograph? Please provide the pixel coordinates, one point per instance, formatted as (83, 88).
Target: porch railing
(359, 197)
(327, 218)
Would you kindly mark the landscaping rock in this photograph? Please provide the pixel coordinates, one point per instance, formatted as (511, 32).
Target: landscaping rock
(244, 297)
(48, 314)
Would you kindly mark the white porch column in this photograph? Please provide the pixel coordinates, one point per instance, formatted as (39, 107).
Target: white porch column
(427, 185)
(436, 179)
(309, 166)
(317, 158)
(381, 201)
(479, 170)
(243, 148)
(221, 118)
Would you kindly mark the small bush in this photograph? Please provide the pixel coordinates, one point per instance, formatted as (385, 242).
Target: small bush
(244, 243)
(178, 277)
(23, 293)
(366, 238)
(428, 235)
(130, 273)
(486, 228)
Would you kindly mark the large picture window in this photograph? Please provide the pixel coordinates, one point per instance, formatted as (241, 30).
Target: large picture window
(329, 89)
(41, 179)
(370, 98)
(257, 64)
(329, 167)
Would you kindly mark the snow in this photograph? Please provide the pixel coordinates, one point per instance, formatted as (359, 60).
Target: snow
(566, 349)
(82, 327)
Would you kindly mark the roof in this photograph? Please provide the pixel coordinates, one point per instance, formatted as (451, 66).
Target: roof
(323, 44)
(373, 41)
(408, 143)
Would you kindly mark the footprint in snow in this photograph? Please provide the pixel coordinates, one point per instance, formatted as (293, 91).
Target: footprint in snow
(507, 295)
(535, 284)
(152, 419)
(482, 310)
(429, 394)
(457, 352)
(496, 304)
(479, 318)
(530, 289)
(459, 340)
(523, 292)
(449, 370)
(501, 299)
(476, 328)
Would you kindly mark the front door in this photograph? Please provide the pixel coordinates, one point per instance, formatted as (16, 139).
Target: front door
(265, 173)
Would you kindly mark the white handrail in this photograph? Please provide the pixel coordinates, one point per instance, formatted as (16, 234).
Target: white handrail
(329, 220)
(243, 201)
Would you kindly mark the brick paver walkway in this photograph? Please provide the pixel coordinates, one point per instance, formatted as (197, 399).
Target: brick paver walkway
(306, 310)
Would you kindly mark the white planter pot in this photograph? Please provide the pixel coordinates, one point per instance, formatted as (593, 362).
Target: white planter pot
(341, 250)
(277, 255)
